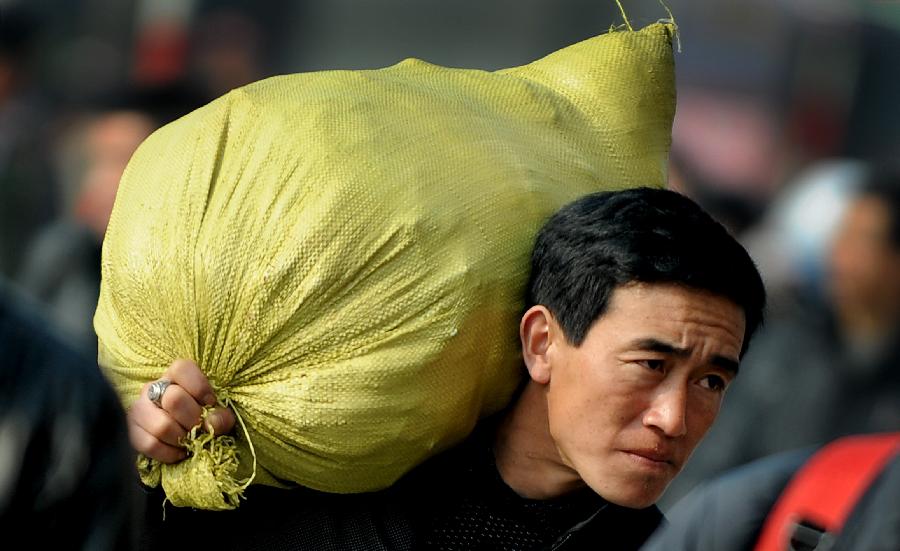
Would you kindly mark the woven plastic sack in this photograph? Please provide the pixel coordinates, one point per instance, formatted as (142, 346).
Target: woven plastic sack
(344, 253)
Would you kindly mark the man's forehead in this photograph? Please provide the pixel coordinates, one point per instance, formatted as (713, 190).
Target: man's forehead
(675, 314)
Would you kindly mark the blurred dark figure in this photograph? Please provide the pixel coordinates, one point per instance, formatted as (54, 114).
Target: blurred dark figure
(27, 198)
(212, 48)
(782, 498)
(822, 369)
(62, 266)
(66, 476)
(228, 50)
(792, 244)
(865, 280)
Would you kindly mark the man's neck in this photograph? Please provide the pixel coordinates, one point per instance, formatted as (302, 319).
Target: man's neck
(526, 455)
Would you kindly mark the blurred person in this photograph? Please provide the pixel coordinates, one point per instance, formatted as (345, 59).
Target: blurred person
(791, 244)
(65, 463)
(840, 496)
(826, 365)
(633, 331)
(109, 138)
(207, 47)
(62, 266)
(865, 275)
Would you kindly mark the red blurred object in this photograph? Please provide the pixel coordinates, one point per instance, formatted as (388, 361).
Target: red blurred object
(825, 490)
(161, 54)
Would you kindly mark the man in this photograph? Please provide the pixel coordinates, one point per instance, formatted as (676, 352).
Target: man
(865, 277)
(639, 309)
(61, 268)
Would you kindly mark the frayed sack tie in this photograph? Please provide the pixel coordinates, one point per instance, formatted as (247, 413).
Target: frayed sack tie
(207, 478)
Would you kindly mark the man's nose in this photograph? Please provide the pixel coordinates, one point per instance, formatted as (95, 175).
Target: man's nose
(667, 411)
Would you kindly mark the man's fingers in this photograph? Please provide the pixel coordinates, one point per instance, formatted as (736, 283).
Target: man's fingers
(181, 406)
(155, 421)
(152, 447)
(220, 421)
(157, 431)
(187, 375)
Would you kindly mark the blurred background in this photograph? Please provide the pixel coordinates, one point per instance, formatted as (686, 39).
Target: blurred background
(787, 130)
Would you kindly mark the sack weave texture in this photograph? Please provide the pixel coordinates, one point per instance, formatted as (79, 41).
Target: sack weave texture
(344, 253)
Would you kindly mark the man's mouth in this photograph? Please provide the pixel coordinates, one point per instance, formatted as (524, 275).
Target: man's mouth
(652, 457)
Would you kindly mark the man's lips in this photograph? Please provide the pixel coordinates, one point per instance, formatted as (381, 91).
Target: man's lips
(653, 454)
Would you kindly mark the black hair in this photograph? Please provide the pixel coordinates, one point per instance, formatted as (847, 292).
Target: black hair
(606, 240)
(161, 103)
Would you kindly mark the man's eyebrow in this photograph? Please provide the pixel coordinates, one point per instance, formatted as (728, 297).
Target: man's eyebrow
(732, 366)
(656, 345)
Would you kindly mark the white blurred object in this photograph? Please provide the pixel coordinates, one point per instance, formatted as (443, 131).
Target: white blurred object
(791, 244)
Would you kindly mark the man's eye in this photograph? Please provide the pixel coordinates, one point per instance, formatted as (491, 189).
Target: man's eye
(713, 382)
(655, 365)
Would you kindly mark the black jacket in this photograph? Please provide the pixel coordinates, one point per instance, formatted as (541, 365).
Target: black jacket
(454, 501)
(66, 459)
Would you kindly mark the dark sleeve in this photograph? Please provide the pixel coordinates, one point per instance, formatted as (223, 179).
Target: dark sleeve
(65, 464)
(272, 519)
(728, 512)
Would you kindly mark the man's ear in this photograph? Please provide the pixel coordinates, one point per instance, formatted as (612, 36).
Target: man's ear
(536, 331)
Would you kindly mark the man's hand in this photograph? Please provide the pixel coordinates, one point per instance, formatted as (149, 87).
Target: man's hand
(157, 431)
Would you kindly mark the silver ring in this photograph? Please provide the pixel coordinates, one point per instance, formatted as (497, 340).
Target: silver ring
(156, 391)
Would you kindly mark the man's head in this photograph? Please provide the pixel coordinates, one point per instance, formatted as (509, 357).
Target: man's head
(107, 141)
(640, 308)
(865, 258)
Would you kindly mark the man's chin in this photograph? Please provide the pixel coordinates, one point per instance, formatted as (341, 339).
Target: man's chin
(633, 495)
(634, 501)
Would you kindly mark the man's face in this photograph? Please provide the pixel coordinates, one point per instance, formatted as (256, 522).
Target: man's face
(865, 267)
(627, 407)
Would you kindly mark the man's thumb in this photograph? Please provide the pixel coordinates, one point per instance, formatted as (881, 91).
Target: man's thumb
(220, 421)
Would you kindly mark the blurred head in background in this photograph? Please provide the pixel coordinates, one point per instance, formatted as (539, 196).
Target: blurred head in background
(109, 140)
(864, 263)
(61, 267)
(96, 149)
(791, 243)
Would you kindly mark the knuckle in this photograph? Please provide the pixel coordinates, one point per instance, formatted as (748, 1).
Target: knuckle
(146, 444)
(188, 375)
(138, 438)
(163, 453)
(177, 368)
(140, 413)
(162, 427)
(170, 397)
(157, 426)
(182, 407)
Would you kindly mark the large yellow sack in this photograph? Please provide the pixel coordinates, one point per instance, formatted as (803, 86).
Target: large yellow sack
(344, 253)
